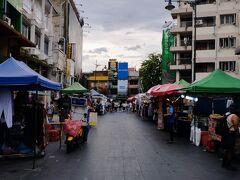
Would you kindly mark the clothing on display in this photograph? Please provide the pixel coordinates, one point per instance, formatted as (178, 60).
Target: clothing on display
(6, 105)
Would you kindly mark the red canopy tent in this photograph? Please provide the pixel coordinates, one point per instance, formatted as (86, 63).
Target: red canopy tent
(131, 98)
(149, 92)
(166, 89)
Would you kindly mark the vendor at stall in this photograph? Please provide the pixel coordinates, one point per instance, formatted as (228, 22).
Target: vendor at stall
(170, 120)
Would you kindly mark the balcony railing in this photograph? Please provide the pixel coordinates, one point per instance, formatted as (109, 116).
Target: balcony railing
(185, 61)
(186, 24)
(207, 2)
(187, 42)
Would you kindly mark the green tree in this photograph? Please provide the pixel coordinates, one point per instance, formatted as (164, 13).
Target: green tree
(151, 71)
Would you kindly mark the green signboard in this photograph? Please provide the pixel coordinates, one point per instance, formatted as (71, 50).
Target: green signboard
(168, 76)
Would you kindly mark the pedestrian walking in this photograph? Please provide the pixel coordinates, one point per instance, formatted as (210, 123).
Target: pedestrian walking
(229, 138)
(50, 110)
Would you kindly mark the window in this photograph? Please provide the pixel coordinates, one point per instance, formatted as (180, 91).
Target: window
(228, 19)
(204, 67)
(26, 30)
(46, 45)
(37, 38)
(228, 65)
(205, 45)
(229, 42)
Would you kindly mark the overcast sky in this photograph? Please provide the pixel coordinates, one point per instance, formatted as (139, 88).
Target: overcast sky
(127, 30)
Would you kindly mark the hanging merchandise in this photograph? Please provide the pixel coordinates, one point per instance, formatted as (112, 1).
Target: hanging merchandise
(6, 105)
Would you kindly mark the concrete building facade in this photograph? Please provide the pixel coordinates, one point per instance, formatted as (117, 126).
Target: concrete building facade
(217, 36)
(49, 37)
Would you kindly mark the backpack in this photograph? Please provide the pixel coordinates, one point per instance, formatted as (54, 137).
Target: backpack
(222, 126)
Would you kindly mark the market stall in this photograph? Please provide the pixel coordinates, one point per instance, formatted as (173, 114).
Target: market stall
(77, 107)
(162, 92)
(17, 76)
(76, 103)
(217, 84)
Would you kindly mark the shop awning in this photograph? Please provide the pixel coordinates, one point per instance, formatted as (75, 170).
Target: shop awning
(166, 89)
(7, 31)
(74, 89)
(218, 82)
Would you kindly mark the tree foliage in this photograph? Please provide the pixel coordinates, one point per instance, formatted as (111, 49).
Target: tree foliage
(151, 71)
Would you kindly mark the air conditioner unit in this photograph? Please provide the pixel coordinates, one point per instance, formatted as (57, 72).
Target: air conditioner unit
(54, 72)
(34, 51)
(199, 22)
(7, 20)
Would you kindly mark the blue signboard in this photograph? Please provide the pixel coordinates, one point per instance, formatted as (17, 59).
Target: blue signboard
(122, 70)
(79, 101)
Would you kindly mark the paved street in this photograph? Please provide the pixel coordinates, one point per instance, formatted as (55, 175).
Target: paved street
(121, 147)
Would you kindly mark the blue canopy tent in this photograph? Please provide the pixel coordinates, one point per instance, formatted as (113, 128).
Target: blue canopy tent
(94, 93)
(16, 75)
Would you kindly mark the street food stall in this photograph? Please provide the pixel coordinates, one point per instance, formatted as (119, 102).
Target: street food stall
(217, 84)
(75, 125)
(17, 76)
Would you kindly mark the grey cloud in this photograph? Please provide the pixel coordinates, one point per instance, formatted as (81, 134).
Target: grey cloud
(99, 50)
(133, 48)
(120, 55)
(115, 15)
(128, 33)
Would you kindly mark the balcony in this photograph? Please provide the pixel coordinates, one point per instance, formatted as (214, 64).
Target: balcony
(185, 27)
(187, 10)
(185, 46)
(203, 56)
(59, 59)
(205, 33)
(181, 67)
(204, 10)
(205, 53)
(184, 61)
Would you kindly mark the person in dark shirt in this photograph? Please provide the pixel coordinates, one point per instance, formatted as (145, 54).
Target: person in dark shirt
(170, 121)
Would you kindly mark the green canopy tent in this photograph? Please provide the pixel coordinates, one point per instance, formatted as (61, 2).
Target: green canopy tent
(183, 83)
(218, 82)
(74, 89)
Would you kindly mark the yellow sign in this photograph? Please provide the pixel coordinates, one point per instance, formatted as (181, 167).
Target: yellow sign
(92, 118)
(98, 78)
(69, 51)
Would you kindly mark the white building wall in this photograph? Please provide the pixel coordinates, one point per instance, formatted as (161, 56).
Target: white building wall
(219, 31)
(76, 36)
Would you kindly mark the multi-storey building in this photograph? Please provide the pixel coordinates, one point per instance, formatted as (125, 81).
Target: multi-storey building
(113, 77)
(50, 32)
(98, 80)
(11, 39)
(217, 36)
(133, 81)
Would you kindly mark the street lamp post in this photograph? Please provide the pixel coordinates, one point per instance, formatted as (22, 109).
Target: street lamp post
(193, 4)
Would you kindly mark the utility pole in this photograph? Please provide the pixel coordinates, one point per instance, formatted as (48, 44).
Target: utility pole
(95, 75)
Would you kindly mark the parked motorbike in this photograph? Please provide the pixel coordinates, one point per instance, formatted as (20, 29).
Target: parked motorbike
(74, 142)
(74, 134)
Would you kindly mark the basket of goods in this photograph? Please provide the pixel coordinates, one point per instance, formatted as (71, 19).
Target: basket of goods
(72, 127)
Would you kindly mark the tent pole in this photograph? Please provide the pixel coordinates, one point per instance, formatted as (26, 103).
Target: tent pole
(60, 121)
(35, 128)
